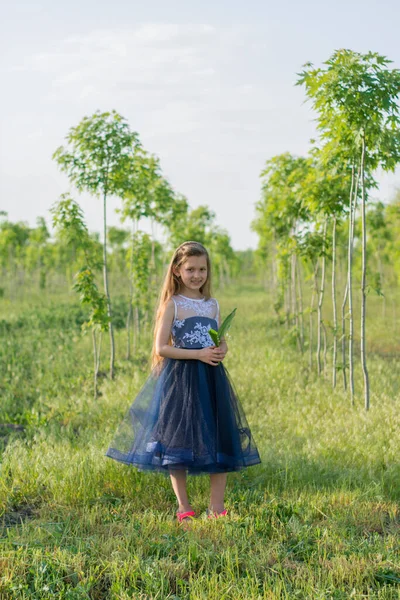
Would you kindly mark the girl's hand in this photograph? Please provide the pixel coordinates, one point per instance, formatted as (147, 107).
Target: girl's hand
(223, 347)
(211, 355)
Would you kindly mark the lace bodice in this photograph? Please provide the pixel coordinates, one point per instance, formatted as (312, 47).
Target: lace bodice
(192, 321)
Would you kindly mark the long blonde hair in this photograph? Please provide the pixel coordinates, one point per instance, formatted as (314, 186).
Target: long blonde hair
(172, 286)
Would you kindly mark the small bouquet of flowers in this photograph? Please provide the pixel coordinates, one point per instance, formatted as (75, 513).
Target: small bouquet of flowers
(217, 335)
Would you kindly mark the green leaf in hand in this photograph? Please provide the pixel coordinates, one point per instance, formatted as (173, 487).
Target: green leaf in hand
(214, 336)
(217, 335)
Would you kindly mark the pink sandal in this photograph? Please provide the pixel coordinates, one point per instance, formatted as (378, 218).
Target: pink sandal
(185, 515)
(215, 515)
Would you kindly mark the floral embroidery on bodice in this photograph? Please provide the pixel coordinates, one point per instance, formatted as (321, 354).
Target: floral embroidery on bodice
(193, 320)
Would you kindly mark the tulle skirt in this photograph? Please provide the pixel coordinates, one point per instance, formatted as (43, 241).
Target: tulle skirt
(186, 416)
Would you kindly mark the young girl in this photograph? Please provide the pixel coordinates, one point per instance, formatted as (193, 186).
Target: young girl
(187, 418)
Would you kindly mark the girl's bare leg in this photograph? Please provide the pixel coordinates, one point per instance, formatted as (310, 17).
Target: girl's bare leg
(218, 484)
(178, 480)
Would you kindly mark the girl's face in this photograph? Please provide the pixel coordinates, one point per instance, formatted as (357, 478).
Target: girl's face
(193, 272)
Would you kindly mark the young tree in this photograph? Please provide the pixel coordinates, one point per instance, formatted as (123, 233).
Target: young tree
(117, 239)
(38, 251)
(69, 221)
(13, 243)
(356, 96)
(392, 214)
(325, 194)
(98, 155)
(147, 195)
(139, 260)
(280, 217)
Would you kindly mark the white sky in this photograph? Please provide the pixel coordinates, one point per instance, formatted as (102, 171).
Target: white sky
(209, 87)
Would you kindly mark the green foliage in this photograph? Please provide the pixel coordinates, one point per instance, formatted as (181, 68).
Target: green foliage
(38, 252)
(147, 193)
(89, 294)
(313, 245)
(281, 208)
(356, 95)
(117, 241)
(116, 237)
(139, 260)
(37, 359)
(69, 221)
(13, 240)
(55, 316)
(223, 256)
(99, 153)
(216, 336)
(70, 224)
(290, 202)
(195, 224)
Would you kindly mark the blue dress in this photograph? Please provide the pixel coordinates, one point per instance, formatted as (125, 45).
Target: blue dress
(187, 414)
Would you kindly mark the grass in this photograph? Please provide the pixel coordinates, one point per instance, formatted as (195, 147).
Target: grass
(319, 518)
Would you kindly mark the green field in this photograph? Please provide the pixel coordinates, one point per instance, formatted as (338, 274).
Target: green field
(319, 518)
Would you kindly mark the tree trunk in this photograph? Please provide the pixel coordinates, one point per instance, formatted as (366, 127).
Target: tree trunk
(346, 291)
(380, 267)
(274, 269)
(137, 323)
(95, 362)
(227, 271)
(135, 331)
(300, 295)
(96, 356)
(105, 272)
(220, 277)
(295, 320)
(128, 329)
(350, 286)
(334, 302)
(287, 297)
(320, 300)
(153, 246)
(130, 310)
(314, 293)
(153, 267)
(363, 278)
(344, 335)
(325, 345)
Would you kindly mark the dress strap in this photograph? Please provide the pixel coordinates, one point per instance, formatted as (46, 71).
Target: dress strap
(217, 316)
(174, 307)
